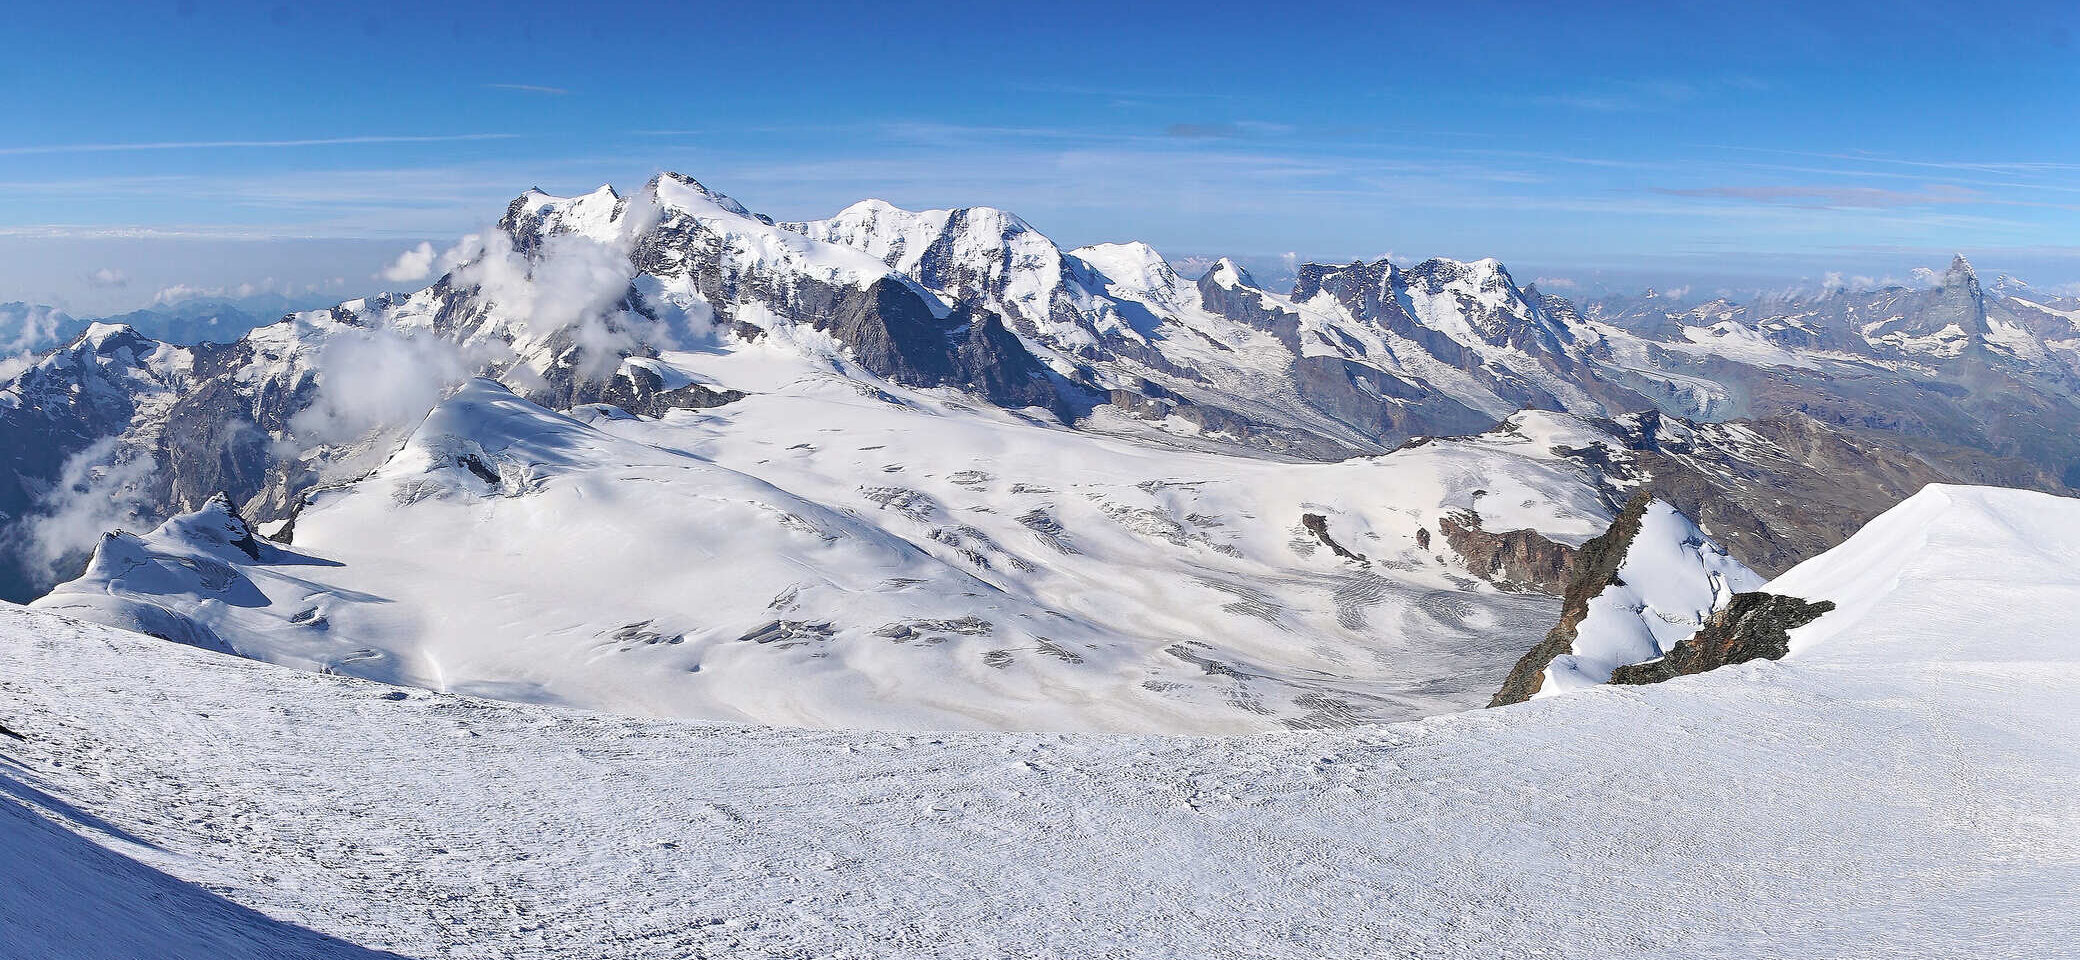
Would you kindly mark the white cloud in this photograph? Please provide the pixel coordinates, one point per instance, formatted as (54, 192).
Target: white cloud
(106, 278)
(574, 284)
(373, 379)
(181, 291)
(99, 489)
(1556, 283)
(28, 328)
(24, 332)
(412, 265)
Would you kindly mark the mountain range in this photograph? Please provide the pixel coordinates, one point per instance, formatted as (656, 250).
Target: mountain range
(666, 580)
(906, 469)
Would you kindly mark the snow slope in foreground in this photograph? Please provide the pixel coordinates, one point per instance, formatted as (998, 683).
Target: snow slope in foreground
(1904, 786)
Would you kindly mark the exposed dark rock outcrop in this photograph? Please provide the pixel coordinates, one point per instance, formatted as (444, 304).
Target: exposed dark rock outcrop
(1595, 567)
(1318, 525)
(1242, 303)
(992, 362)
(1774, 491)
(1754, 626)
(1378, 404)
(639, 390)
(892, 332)
(237, 532)
(1511, 559)
(1152, 401)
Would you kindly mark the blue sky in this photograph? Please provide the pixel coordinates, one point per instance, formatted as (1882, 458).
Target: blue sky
(299, 146)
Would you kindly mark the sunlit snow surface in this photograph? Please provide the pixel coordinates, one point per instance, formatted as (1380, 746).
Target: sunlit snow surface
(830, 553)
(1673, 577)
(1904, 785)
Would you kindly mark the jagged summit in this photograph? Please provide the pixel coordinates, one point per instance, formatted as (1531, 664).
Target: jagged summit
(1227, 273)
(671, 184)
(577, 299)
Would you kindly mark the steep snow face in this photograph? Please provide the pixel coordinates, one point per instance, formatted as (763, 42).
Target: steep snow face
(1362, 368)
(1467, 331)
(1478, 305)
(978, 253)
(1901, 787)
(753, 245)
(1672, 579)
(2000, 559)
(815, 554)
(68, 896)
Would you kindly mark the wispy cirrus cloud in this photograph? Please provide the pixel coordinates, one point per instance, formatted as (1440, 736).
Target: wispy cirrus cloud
(51, 148)
(1857, 157)
(1632, 96)
(1229, 130)
(528, 88)
(1821, 196)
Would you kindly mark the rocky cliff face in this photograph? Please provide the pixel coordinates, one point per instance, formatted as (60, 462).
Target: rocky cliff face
(1754, 626)
(1595, 567)
(1511, 559)
(1843, 403)
(1774, 491)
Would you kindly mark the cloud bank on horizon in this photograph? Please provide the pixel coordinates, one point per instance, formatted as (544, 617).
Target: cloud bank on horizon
(1585, 144)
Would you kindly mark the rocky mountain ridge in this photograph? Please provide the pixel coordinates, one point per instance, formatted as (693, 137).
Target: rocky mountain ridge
(570, 300)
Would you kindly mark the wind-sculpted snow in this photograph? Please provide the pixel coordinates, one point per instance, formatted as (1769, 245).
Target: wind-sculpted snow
(1943, 555)
(1902, 787)
(819, 555)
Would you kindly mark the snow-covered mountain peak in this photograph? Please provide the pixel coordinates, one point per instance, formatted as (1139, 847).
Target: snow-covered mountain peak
(965, 252)
(700, 232)
(1485, 273)
(1903, 570)
(1229, 274)
(596, 215)
(1960, 273)
(485, 439)
(897, 237)
(104, 338)
(215, 526)
(1478, 301)
(680, 190)
(2009, 285)
(1132, 266)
